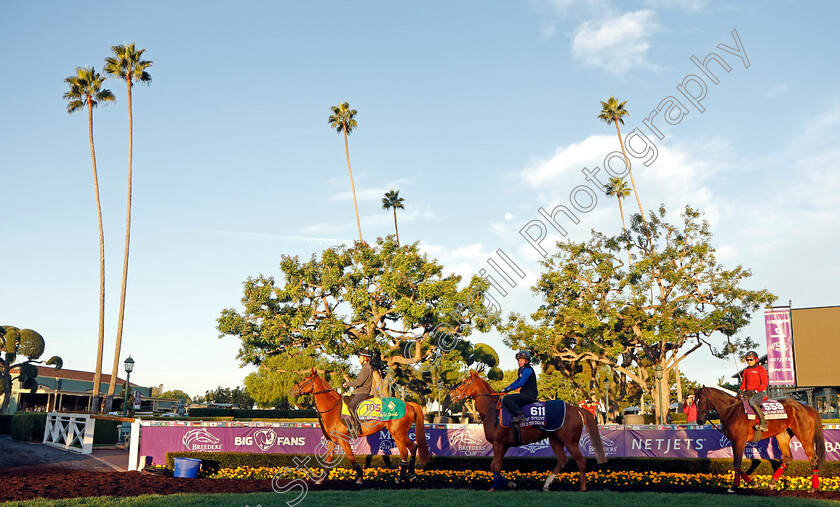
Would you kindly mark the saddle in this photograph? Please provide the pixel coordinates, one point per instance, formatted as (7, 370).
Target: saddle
(547, 415)
(375, 409)
(772, 409)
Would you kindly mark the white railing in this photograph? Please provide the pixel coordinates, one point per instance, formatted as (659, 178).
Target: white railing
(71, 432)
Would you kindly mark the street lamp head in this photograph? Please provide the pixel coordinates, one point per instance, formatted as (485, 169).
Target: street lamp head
(658, 372)
(129, 364)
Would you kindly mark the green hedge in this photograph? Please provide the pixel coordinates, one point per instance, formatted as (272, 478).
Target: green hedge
(241, 413)
(215, 460)
(28, 426)
(106, 432)
(5, 424)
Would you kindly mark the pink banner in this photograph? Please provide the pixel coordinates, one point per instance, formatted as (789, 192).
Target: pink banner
(778, 330)
(669, 441)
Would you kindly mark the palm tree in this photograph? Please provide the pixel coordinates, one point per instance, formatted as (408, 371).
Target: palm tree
(618, 187)
(392, 200)
(343, 120)
(126, 64)
(86, 90)
(613, 112)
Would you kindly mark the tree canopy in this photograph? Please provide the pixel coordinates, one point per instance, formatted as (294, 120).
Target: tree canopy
(394, 301)
(596, 310)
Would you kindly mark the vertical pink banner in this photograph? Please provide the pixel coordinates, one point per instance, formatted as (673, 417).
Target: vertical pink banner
(778, 330)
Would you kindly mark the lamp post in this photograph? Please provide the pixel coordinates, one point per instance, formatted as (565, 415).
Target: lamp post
(658, 374)
(607, 395)
(129, 367)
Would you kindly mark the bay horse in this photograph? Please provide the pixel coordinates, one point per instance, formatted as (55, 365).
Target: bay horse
(802, 422)
(328, 404)
(502, 438)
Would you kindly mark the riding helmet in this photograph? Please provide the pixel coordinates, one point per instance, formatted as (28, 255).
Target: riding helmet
(364, 352)
(751, 354)
(524, 354)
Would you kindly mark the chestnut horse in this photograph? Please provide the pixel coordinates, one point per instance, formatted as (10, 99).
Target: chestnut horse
(328, 404)
(568, 436)
(802, 422)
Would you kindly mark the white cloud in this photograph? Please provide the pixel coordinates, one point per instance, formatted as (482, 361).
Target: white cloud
(689, 6)
(615, 44)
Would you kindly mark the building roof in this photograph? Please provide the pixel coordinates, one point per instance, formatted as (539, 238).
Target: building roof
(86, 376)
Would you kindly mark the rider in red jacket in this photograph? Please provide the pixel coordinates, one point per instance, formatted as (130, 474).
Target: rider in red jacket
(754, 385)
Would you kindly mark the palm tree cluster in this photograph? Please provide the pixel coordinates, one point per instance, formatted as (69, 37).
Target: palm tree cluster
(86, 90)
(343, 120)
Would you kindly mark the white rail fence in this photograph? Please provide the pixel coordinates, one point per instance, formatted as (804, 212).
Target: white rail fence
(71, 432)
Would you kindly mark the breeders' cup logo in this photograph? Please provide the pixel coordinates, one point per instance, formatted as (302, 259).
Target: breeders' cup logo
(536, 446)
(610, 446)
(750, 451)
(465, 442)
(201, 440)
(265, 439)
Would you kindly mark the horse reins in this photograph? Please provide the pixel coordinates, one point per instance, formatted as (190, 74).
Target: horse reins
(311, 380)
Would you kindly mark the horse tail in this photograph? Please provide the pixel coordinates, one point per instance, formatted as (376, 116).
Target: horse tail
(819, 439)
(594, 434)
(420, 433)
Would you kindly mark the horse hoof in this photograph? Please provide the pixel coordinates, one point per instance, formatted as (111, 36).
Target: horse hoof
(319, 481)
(491, 490)
(545, 489)
(359, 482)
(511, 485)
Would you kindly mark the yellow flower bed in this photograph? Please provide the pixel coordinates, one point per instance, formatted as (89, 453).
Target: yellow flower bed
(613, 480)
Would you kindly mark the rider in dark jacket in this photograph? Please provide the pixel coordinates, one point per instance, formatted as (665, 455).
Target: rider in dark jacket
(362, 386)
(754, 386)
(526, 382)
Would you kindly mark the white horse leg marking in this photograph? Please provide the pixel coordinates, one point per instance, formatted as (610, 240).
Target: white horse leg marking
(548, 481)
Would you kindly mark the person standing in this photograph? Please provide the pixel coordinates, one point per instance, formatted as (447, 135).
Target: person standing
(754, 387)
(361, 392)
(526, 382)
(690, 410)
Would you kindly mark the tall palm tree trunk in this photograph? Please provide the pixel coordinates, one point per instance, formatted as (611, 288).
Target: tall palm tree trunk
(397, 229)
(624, 228)
(100, 345)
(352, 185)
(115, 370)
(632, 181)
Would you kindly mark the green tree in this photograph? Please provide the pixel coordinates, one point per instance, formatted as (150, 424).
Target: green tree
(270, 385)
(392, 300)
(392, 200)
(343, 120)
(176, 394)
(594, 311)
(86, 91)
(15, 345)
(614, 112)
(126, 64)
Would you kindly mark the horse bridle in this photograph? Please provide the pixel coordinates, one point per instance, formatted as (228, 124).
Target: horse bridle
(472, 381)
(704, 396)
(310, 380)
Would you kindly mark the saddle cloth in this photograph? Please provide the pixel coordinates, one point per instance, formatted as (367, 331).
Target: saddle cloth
(772, 410)
(547, 415)
(376, 409)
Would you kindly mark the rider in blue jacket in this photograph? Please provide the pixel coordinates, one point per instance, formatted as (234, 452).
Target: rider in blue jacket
(526, 382)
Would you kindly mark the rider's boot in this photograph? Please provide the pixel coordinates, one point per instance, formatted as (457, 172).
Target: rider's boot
(762, 422)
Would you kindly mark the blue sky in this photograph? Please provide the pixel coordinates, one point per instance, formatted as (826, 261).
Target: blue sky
(479, 113)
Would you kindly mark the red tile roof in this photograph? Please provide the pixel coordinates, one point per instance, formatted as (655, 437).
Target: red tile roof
(50, 372)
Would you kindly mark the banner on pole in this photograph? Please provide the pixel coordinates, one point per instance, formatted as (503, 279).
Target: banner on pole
(778, 328)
